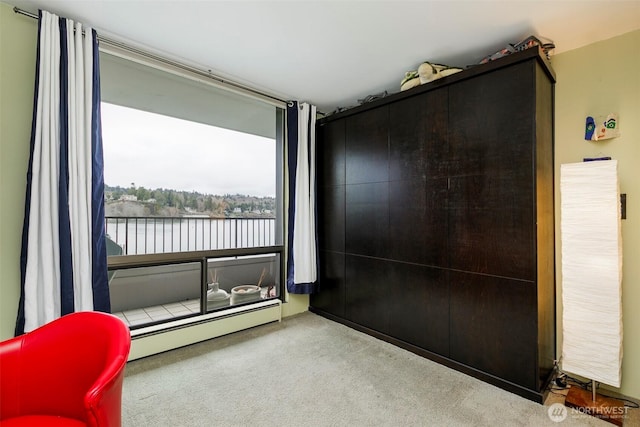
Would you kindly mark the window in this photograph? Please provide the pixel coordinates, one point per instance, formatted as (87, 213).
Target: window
(173, 185)
(193, 193)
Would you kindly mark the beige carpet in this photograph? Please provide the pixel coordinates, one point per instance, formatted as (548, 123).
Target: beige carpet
(309, 371)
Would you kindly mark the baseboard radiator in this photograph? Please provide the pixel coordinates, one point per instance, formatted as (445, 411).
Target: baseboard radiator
(169, 336)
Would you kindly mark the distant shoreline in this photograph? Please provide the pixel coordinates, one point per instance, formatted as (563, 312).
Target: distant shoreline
(146, 209)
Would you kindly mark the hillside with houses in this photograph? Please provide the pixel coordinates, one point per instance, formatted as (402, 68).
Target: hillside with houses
(142, 202)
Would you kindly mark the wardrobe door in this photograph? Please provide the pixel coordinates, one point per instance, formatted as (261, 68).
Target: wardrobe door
(418, 297)
(418, 178)
(331, 297)
(331, 217)
(367, 183)
(492, 173)
(367, 146)
(330, 148)
(368, 291)
(493, 326)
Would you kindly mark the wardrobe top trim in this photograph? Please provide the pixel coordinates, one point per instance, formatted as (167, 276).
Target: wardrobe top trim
(477, 70)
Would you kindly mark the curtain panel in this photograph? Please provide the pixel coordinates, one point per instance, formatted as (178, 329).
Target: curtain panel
(302, 238)
(63, 258)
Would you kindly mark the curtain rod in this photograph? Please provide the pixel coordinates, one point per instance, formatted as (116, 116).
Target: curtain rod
(170, 62)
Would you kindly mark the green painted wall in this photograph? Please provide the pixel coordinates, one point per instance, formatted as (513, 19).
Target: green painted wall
(18, 36)
(596, 80)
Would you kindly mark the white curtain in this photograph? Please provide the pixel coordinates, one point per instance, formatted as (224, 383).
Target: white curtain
(591, 271)
(302, 259)
(63, 249)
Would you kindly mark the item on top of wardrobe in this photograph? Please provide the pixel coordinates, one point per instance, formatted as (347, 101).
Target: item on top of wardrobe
(339, 110)
(411, 79)
(429, 72)
(527, 43)
(426, 73)
(373, 97)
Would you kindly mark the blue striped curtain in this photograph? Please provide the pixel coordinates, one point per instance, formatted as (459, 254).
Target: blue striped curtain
(63, 259)
(302, 238)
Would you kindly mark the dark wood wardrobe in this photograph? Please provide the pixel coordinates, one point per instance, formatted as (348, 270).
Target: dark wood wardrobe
(436, 216)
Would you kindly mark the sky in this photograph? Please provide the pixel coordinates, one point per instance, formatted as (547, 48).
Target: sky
(156, 151)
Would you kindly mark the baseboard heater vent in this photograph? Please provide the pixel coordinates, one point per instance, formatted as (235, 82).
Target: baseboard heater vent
(169, 336)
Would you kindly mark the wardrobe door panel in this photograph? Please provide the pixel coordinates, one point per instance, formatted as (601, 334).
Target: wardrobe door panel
(418, 221)
(491, 197)
(417, 171)
(493, 326)
(367, 219)
(492, 122)
(330, 151)
(491, 229)
(418, 136)
(332, 284)
(367, 147)
(331, 217)
(367, 293)
(419, 301)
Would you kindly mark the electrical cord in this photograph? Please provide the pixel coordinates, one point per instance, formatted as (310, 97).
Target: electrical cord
(585, 385)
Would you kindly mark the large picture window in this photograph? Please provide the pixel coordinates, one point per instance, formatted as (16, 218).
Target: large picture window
(189, 168)
(173, 185)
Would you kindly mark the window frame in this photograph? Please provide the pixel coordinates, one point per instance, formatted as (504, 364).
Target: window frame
(119, 262)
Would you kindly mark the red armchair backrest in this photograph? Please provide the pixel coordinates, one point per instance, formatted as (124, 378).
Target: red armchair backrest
(71, 367)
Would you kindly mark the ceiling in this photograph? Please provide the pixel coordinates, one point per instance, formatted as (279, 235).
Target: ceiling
(332, 53)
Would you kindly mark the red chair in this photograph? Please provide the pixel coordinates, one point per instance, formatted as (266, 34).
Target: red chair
(66, 373)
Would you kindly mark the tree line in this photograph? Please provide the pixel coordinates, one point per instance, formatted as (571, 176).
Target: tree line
(222, 205)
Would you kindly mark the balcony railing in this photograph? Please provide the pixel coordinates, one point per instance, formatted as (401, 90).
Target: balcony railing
(151, 235)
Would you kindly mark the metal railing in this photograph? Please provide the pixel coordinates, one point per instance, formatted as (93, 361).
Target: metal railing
(151, 235)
